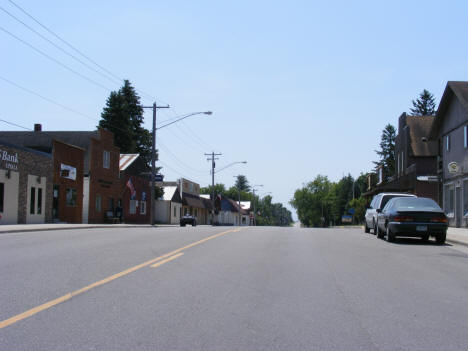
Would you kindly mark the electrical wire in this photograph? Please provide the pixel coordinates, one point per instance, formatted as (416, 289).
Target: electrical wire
(55, 60)
(74, 48)
(113, 80)
(47, 99)
(183, 164)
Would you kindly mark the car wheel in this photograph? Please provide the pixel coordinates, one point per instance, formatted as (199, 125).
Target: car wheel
(425, 238)
(378, 232)
(375, 228)
(440, 239)
(366, 228)
(389, 235)
(182, 225)
(194, 224)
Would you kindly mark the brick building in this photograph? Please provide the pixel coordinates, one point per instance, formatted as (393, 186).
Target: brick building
(67, 203)
(135, 189)
(25, 185)
(101, 183)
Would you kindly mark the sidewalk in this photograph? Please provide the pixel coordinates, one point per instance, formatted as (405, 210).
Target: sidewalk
(16, 228)
(457, 235)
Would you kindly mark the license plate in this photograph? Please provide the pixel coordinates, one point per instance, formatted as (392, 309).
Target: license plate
(421, 228)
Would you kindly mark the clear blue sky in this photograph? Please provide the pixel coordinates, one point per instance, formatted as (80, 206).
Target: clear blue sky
(298, 88)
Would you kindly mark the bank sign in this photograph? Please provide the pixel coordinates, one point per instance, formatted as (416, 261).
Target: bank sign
(10, 160)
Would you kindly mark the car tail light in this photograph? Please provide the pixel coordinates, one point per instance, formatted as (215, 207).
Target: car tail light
(439, 220)
(403, 219)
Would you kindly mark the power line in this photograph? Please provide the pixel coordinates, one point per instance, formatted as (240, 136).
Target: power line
(55, 60)
(113, 80)
(47, 99)
(178, 160)
(74, 48)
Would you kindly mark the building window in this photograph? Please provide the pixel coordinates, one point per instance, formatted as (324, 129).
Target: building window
(143, 207)
(39, 200)
(448, 198)
(111, 204)
(2, 193)
(132, 206)
(195, 212)
(465, 197)
(175, 211)
(32, 203)
(98, 203)
(185, 211)
(447, 142)
(106, 159)
(398, 164)
(180, 212)
(71, 197)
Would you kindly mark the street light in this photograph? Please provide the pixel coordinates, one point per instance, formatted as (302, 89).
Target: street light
(153, 149)
(255, 213)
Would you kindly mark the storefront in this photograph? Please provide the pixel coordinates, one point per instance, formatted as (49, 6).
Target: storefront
(25, 185)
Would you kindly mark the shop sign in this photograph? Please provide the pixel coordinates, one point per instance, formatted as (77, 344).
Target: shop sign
(67, 171)
(11, 160)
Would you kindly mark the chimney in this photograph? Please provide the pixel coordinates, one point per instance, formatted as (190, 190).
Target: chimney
(37, 127)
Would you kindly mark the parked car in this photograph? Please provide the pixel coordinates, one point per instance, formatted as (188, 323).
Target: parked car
(415, 217)
(188, 219)
(377, 204)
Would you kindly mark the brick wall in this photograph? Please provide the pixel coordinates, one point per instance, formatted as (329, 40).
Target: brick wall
(71, 156)
(104, 182)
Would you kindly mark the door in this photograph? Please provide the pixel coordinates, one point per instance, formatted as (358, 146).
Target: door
(458, 207)
(55, 203)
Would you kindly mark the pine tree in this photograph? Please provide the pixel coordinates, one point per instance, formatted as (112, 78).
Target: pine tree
(424, 105)
(387, 150)
(242, 184)
(123, 115)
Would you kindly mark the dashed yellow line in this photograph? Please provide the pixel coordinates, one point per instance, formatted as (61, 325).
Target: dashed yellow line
(155, 262)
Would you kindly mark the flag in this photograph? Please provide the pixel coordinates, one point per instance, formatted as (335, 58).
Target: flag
(132, 189)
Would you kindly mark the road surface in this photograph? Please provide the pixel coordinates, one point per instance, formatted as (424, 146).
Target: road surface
(230, 288)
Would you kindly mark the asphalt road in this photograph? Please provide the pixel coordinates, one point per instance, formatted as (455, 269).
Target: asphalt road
(253, 289)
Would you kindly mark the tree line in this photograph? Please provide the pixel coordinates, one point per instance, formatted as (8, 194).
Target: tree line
(321, 202)
(268, 213)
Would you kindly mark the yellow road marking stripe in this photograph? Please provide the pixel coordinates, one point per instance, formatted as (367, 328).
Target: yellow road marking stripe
(157, 264)
(51, 303)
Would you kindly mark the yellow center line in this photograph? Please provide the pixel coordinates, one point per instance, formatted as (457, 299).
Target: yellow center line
(157, 264)
(66, 297)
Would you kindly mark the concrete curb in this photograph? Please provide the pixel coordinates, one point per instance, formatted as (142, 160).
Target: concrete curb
(46, 229)
(455, 241)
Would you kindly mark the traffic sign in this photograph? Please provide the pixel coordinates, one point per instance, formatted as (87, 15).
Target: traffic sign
(158, 177)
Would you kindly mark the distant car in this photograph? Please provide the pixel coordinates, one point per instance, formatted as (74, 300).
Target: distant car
(415, 217)
(378, 203)
(188, 219)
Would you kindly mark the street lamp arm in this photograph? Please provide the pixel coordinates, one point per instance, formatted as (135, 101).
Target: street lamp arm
(180, 119)
(229, 165)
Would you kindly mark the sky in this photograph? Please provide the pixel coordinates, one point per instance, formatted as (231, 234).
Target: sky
(297, 88)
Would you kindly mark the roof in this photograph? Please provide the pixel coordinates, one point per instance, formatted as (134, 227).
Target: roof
(126, 160)
(420, 127)
(245, 205)
(41, 153)
(460, 90)
(43, 140)
(192, 200)
(171, 194)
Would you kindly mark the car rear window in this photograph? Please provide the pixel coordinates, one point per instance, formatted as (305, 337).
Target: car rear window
(388, 197)
(416, 204)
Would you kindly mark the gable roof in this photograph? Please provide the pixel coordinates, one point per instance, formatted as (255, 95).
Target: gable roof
(453, 88)
(126, 160)
(171, 193)
(419, 128)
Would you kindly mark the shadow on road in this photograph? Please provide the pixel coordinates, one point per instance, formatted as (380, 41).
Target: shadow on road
(416, 241)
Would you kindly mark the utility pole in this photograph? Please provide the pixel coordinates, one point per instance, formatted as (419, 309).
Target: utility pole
(213, 165)
(255, 210)
(153, 160)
